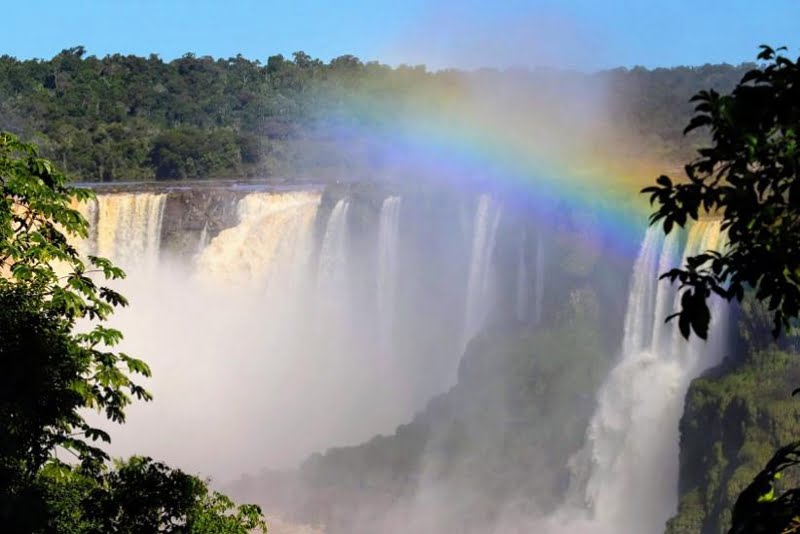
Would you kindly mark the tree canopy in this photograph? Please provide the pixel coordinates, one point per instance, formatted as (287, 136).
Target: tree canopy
(124, 117)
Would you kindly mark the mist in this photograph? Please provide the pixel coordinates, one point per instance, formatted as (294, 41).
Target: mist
(266, 344)
(430, 338)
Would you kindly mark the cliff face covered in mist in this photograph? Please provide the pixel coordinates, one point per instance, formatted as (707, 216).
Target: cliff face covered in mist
(494, 448)
(345, 311)
(522, 440)
(316, 317)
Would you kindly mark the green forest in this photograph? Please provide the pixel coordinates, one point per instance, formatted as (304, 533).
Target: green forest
(113, 118)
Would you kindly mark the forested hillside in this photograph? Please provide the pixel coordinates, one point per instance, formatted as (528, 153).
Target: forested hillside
(136, 118)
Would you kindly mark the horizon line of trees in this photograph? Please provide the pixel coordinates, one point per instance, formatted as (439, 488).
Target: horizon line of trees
(126, 117)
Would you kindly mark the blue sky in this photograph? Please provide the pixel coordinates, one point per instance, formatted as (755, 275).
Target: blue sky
(584, 34)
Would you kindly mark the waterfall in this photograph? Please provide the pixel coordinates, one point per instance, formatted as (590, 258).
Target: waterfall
(521, 304)
(202, 242)
(332, 298)
(126, 228)
(388, 234)
(322, 326)
(269, 246)
(484, 233)
(276, 320)
(523, 296)
(627, 473)
(538, 285)
(332, 267)
(641, 297)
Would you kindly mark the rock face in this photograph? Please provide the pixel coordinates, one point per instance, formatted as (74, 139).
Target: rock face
(194, 215)
(735, 419)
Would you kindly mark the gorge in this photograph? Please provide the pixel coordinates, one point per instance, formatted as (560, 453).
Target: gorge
(293, 320)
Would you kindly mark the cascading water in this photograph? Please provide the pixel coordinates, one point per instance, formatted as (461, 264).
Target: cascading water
(127, 228)
(538, 285)
(530, 277)
(272, 241)
(202, 243)
(386, 286)
(332, 275)
(627, 472)
(288, 306)
(521, 305)
(484, 233)
(261, 353)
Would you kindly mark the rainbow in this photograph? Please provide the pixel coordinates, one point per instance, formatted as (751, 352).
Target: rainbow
(518, 147)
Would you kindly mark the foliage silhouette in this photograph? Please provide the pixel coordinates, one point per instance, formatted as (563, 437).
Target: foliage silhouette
(143, 496)
(759, 510)
(47, 288)
(750, 178)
